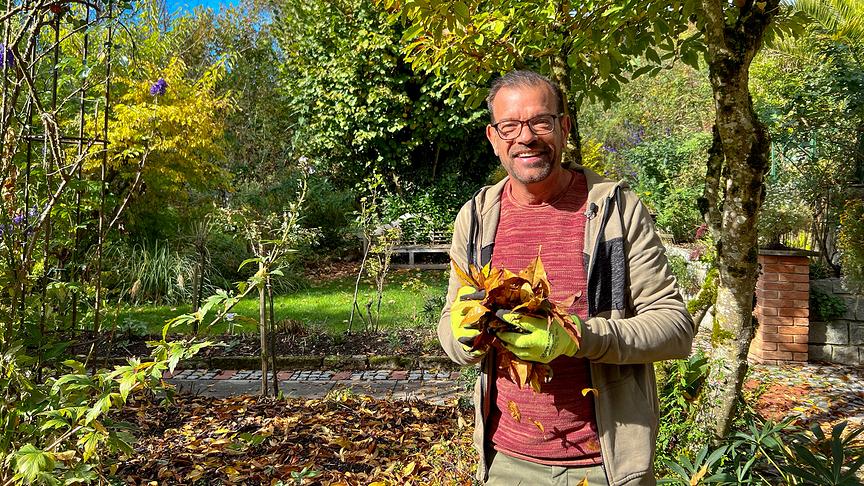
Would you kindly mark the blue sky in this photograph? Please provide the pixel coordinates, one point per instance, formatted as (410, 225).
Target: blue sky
(188, 5)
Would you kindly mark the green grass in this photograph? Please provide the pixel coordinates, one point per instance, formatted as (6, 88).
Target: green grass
(325, 305)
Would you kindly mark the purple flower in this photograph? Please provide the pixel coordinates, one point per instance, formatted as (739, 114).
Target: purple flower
(18, 219)
(610, 149)
(7, 58)
(32, 213)
(158, 88)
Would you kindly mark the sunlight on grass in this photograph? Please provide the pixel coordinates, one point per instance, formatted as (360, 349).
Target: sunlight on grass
(325, 306)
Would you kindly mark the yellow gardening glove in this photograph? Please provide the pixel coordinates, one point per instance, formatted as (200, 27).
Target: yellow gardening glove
(537, 340)
(465, 335)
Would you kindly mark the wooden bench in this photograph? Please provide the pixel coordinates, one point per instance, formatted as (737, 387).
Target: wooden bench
(438, 242)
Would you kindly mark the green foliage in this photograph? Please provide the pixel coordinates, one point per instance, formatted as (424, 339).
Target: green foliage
(769, 453)
(329, 209)
(680, 383)
(359, 106)
(152, 273)
(849, 240)
(64, 430)
(707, 295)
(590, 48)
(669, 175)
(824, 306)
(687, 279)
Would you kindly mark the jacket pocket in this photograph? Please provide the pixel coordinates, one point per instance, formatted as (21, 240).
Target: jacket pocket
(629, 426)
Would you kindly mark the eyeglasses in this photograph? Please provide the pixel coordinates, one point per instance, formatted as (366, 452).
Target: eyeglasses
(539, 125)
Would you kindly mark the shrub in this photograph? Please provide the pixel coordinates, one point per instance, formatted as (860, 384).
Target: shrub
(329, 209)
(153, 273)
(680, 382)
(849, 242)
(824, 306)
(784, 212)
(669, 177)
(687, 278)
(774, 453)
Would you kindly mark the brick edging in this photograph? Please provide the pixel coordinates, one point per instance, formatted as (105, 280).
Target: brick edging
(330, 362)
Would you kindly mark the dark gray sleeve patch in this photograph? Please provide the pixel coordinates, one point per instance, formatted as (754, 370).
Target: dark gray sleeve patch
(606, 290)
(486, 254)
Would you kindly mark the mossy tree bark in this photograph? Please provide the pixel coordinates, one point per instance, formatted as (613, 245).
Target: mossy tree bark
(734, 193)
(561, 76)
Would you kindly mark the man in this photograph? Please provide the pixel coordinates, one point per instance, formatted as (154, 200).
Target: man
(596, 240)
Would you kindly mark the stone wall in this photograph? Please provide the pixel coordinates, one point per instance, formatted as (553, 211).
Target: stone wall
(842, 339)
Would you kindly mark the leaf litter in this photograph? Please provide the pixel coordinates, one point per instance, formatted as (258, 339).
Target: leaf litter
(342, 439)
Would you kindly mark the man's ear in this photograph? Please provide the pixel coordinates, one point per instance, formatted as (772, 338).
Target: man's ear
(490, 135)
(565, 127)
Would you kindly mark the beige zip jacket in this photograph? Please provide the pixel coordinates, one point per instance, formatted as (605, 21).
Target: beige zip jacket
(636, 317)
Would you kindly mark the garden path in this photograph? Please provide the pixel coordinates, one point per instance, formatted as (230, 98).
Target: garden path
(815, 392)
(431, 386)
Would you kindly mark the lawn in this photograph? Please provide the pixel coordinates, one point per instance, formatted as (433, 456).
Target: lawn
(325, 305)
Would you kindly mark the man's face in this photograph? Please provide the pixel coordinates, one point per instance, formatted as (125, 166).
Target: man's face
(528, 158)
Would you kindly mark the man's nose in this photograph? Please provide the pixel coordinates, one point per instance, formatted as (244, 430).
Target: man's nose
(526, 136)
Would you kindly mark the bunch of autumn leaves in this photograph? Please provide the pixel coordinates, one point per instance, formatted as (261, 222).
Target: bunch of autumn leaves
(527, 293)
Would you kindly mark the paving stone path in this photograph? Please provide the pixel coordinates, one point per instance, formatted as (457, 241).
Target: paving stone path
(431, 386)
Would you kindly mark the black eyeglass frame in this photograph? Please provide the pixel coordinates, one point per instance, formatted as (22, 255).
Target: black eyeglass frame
(522, 124)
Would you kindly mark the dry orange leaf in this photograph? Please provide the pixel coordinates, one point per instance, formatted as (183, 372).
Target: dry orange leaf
(514, 411)
(527, 292)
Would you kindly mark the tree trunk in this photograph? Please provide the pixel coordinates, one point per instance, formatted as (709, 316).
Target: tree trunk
(734, 192)
(262, 325)
(561, 76)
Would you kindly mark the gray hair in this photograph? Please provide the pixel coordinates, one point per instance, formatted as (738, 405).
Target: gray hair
(524, 79)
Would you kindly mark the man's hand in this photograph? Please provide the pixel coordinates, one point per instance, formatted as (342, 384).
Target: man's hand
(465, 335)
(539, 340)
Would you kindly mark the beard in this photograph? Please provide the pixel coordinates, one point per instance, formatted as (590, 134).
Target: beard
(531, 174)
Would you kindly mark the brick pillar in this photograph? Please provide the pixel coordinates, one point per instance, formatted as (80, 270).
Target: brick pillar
(782, 307)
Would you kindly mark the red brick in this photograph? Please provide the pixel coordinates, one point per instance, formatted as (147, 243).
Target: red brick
(802, 269)
(802, 338)
(769, 329)
(226, 374)
(782, 355)
(801, 304)
(778, 338)
(793, 260)
(763, 259)
(793, 277)
(769, 277)
(766, 311)
(795, 330)
(399, 375)
(803, 286)
(768, 347)
(777, 268)
(777, 321)
(773, 303)
(802, 321)
(793, 312)
(284, 375)
(767, 294)
(800, 356)
(342, 376)
(779, 286)
(795, 348)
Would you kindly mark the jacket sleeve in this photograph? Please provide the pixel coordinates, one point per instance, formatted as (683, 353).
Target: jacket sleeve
(455, 351)
(657, 325)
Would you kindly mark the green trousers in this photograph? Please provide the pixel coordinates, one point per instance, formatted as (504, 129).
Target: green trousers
(505, 470)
